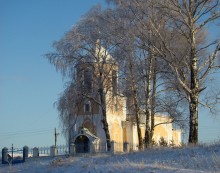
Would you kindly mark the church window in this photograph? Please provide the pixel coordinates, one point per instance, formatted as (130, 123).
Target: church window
(114, 82)
(116, 107)
(87, 106)
(87, 79)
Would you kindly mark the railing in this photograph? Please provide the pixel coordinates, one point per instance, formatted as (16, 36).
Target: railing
(14, 155)
(75, 149)
(45, 151)
(102, 147)
(62, 149)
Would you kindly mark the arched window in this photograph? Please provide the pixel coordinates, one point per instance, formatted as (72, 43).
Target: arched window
(87, 79)
(87, 106)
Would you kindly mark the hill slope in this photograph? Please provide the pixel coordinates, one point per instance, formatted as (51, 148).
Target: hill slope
(200, 159)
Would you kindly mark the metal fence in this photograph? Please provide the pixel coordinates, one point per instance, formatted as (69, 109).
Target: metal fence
(101, 148)
(115, 147)
(45, 151)
(89, 149)
(63, 149)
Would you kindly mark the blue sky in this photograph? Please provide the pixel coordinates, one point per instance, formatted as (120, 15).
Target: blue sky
(29, 85)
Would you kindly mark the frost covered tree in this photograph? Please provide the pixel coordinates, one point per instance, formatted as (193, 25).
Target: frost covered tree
(182, 44)
(87, 43)
(188, 18)
(147, 64)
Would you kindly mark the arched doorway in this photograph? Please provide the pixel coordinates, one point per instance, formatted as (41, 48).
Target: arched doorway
(82, 144)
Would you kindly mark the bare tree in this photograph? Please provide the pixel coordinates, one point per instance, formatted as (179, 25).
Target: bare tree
(132, 89)
(130, 78)
(68, 106)
(188, 19)
(181, 43)
(124, 54)
(87, 46)
(144, 58)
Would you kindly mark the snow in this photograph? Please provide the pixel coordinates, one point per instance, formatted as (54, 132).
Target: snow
(197, 159)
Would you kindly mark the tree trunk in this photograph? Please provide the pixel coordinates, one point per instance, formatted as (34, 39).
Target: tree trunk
(104, 117)
(154, 78)
(147, 102)
(147, 130)
(137, 120)
(136, 107)
(193, 102)
(193, 131)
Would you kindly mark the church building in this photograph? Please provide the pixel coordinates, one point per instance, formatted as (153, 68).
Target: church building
(88, 121)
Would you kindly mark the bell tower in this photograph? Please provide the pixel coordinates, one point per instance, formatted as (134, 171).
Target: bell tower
(93, 73)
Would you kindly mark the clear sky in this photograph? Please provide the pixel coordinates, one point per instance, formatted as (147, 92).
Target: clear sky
(29, 85)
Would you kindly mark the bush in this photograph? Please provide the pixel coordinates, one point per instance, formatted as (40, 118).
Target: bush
(163, 142)
(154, 143)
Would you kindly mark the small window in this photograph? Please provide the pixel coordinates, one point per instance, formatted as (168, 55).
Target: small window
(114, 82)
(87, 79)
(116, 108)
(87, 107)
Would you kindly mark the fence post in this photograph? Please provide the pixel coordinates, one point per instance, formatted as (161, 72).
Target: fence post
(53, 151)
(112, 147)
(35, 152)
(72, 149)
(25, 152)
(4, 155)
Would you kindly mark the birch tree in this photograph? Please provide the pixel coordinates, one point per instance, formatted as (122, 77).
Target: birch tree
(186, 21)
(68, 105)
(125, 54)
(179, 34)
(189, 18)
(89, 43)
(144, 58)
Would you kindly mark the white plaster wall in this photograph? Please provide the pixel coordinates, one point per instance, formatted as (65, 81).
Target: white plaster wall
(96, 120)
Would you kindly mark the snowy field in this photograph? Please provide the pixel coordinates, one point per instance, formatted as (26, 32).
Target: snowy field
(200, 159)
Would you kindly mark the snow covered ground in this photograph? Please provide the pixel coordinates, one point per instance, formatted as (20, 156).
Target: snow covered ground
(199, 159)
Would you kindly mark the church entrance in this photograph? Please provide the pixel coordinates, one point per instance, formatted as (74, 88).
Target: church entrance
(82, 144)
